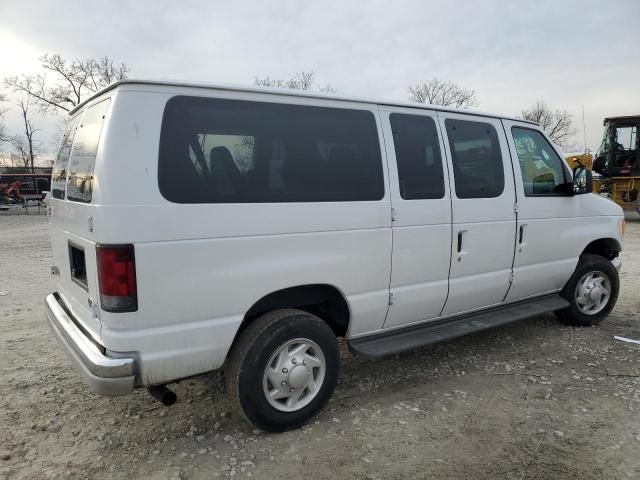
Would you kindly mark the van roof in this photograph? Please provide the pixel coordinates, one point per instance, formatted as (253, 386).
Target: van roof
(291, 93)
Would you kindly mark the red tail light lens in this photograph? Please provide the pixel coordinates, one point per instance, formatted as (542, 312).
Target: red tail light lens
(117, 278)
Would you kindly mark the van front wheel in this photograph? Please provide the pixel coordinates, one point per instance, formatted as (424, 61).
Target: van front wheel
(283, 369)
(591, 291)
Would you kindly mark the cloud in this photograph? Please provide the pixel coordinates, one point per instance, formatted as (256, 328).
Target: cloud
(511, 53)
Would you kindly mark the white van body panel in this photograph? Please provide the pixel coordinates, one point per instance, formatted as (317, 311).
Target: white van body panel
(481, 271)
(201, 267)
(551, 235)
(601, 219)
(553, 231)
(72, 223)
(421, 242)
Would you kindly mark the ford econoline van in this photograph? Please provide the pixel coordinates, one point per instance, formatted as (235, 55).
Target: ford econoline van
(199, 227)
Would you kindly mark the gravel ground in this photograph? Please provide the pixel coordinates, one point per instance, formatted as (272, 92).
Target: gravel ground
(535, 399)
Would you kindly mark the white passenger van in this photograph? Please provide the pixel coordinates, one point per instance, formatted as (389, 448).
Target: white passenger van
(203, 227)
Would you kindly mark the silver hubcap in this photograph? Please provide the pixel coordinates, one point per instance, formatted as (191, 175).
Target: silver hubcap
(294, 375)
(593, 292)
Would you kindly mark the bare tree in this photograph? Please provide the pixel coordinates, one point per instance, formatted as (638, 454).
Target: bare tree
(300, 81)
(55, 140)
(25, 147)
(558, 124)
(440, 92)
(4, 136)
(63, 84)
(5, 159)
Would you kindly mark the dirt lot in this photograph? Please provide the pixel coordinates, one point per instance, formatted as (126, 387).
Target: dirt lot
(536, 399)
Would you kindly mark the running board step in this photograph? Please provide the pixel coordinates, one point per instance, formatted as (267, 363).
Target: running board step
(437, 331)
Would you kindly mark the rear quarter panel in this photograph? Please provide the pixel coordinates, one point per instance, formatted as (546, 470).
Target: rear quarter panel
(201, 267)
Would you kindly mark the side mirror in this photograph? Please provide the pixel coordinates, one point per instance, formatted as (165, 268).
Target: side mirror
(582, 181)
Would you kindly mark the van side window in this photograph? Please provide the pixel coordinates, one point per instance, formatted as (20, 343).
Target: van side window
(240, 147)
(476, 159)
(543, 171)
(233, 151)
(83, 155)
(59, 175)
(415, 139)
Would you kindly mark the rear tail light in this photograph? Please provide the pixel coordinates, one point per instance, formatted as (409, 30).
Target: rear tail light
(117, 278)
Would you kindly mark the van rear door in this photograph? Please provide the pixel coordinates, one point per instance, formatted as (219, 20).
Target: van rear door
(72, 213)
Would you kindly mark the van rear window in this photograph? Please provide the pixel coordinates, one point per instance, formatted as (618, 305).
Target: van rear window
(59, 175)
(232, 151)
(83, 153)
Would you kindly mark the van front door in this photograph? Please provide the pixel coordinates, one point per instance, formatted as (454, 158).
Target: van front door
(484, 221)
(549, 223)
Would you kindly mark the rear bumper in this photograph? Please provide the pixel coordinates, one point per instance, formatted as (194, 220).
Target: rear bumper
(105, 375)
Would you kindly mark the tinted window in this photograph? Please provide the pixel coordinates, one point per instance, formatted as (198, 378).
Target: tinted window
(59, 174)
(415, 139)
(83, 153)
(476, 158)
(541, 167)
(230, 151)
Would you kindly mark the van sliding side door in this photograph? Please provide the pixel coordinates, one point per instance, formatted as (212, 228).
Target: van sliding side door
(421, 224)
(484, 217)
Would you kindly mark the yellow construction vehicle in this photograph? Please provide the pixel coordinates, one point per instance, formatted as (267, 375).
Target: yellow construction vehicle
(617, 162)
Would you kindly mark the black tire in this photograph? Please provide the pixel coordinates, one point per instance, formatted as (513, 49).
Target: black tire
(251, 353)
(572, 315)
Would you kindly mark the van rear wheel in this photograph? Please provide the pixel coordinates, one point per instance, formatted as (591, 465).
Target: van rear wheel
(283, 369)
(591, 291)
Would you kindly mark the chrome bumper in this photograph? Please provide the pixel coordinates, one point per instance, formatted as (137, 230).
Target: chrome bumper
(617, 263)
(105, 375)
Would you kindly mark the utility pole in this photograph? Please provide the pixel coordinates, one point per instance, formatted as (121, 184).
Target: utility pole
(584, 130)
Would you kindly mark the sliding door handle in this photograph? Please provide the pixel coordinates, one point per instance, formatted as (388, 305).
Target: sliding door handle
(521, 231)
(459, 247)
(521, 237)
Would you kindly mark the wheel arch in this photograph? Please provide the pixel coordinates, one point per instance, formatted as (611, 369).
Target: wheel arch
(323, 300)
(608, 248)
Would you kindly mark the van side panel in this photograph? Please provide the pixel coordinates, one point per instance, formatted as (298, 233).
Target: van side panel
(200, 267)
(183, 284)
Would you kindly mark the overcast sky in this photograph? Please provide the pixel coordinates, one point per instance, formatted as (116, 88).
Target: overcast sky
(569, 53)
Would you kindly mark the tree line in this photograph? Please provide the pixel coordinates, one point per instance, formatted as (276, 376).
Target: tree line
(61, 84)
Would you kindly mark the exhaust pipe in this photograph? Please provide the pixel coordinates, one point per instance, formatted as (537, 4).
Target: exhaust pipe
(163, 395)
